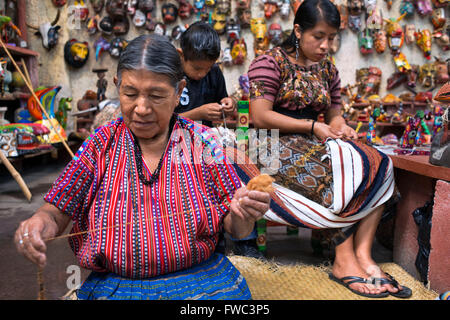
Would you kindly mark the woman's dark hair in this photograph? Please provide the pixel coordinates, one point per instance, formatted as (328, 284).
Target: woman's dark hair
(200, 42)
(308, 14)
(154, 53)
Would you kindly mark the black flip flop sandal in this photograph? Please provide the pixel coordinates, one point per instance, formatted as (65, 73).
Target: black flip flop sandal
(404, 293)
(342, 281)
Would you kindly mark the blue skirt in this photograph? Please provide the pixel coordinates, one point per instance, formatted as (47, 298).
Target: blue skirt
(215, 279)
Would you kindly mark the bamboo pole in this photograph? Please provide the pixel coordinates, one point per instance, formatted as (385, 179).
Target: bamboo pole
(35, 97)
(16, 176)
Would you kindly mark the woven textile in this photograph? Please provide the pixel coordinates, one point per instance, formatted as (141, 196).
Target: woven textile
(214, 279)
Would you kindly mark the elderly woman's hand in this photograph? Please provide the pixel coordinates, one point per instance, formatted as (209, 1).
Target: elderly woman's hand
(46, 223)
(246, 208)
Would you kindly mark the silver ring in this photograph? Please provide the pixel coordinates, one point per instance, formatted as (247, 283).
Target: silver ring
(20, 241)
(25, 234)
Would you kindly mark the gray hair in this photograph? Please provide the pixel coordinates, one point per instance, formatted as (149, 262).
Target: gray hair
(154, 53)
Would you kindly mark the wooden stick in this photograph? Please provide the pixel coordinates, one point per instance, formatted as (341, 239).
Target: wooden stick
(16, 176)
(25, 69)
(40, 279)
(35, 97)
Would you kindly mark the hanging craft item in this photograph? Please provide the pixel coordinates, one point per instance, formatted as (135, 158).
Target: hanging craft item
(410, 30)
(442, 37)
(210, 3)
(169, 13)
(427, 74)
(223, 7)
(424, 7)
(117, 10)
(139, 19)
(61, 114)
(275, 34)
(59, 3)
(365, 42)
(227, 59)
(374, 22)
(239, 51)
(369, 80)
(147, 7)
(438, 18)
(76, 53)
(370, 6)
(185, 9)
(423, 40)
(442, 71)
(380, 41)
(343, 12)
(233, 30)
(244, 15)
(270, 8)
(219, 21)
(160, 28)
(92, 24)
(440, 3)
(177, 31)
(48, 31)
(407, 8)
(132, 7)
(259, 29)
(388, 4)
(200, 9)
(101, 45)
(97, 5)
(285, 9)
(401, 63)
(354, 18)
(106, 25)
(80, 10)
(394, 33)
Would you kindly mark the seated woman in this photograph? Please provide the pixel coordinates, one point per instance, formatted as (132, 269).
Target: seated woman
(148, 194)
(323, 181)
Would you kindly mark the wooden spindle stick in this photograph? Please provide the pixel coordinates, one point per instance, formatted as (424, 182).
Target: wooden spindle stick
(35, 97)
(16, 176)
(40, 278)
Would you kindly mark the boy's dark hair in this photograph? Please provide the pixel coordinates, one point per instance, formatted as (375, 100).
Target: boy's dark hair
(200, 42)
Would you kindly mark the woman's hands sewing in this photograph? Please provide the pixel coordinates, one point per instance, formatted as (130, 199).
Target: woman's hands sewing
(246, 208)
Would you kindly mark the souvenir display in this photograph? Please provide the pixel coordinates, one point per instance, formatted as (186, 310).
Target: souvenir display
(374, 22)
(97, 5)
(369, 80)
(219, 22)
(410, 30)
(223, 7)
(442, 71)
(270, 8)
(380, 41)
(59, 3)
(233, 30)
(101, 45)
(76, 53)
(438, 18)
(343, 12)
(424, 7)
(239, 51)
(394, 33)
(423, 40)
(132, 7)
(401, 63)
(139, 18)
(169, 12)
(275, 34)
(185, 9)
(48, 31)
(80, 10)
(92, 24)
(106, 25)
(407, 8)
(365, 42)
(442, 37)
(285, 9)
(427, 74)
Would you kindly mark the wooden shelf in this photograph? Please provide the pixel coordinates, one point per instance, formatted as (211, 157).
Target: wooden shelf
(420, 165)
(18, 51)
(8, 96)
(392, 104)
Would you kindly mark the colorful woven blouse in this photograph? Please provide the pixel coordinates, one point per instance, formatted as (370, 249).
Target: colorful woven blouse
(167, 226)
(296, 91)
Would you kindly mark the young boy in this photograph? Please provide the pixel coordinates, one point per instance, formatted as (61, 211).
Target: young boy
(205, 93)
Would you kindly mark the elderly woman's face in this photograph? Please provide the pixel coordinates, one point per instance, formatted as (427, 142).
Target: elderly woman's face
(147, 102)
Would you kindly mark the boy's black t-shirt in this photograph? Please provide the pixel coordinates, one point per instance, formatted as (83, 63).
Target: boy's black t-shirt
(211, 88)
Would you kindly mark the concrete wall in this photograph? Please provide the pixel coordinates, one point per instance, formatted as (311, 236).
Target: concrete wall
(54, 71)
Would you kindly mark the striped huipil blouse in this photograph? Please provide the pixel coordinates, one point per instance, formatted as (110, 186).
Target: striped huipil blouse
(151, 230)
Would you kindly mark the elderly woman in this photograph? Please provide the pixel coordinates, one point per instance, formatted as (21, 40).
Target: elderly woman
(153, 191)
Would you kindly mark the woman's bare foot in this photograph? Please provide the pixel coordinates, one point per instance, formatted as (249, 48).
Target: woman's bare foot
(374, 271)
(350, 267)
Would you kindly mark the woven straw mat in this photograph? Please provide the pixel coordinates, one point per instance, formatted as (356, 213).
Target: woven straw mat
(268, 280)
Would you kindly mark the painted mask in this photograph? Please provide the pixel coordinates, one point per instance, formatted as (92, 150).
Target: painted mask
(219, 21)
(116, 8)
(374, 21)
(227, 60)
(370, 5)
(233, 30)
(443, 38)
(169, 12)
(106, 25)
(146, 5)
(427, 75)
(354, 23)
(185, 10)
(239, 51)
(100, 45)
(370, 79)
(407, 8)
(244, 18)
(354, 7)
(275, 34)
(440, 3)
(412, 75)
(410, 30)
(76, 53)
(259, 28)
(116, 46)
(81, 10)
(121, 25)
(438, 18)
(132, 7)
(270, 8)
(423, 40)
(210, 3)
(380, 41)
(394, 33)
(139, 18)
(424, 7)
(260, 46)
(92, 24)
(97, 5)
(442, 75)
(243, 4)
(285, 9)
(59, 3)
(177, 31)
(401, 63)
(160, 28)
(199, 5)
(343, 12)
(223, 7)
(365, 42)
